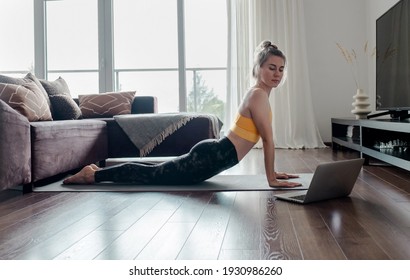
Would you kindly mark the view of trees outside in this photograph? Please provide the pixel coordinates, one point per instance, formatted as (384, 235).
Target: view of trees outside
(202, 99)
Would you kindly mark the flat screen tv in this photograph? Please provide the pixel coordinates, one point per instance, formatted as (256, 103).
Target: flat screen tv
(393, 61)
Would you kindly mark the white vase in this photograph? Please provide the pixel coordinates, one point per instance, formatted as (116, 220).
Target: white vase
(361, 104)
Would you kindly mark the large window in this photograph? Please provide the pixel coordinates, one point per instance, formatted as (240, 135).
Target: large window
(17, 37)
(146, 49)
(206, 55)
(172, 49)
(148, 53)
(72, 43)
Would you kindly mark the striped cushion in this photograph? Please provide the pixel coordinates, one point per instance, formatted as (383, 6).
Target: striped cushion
(27, 99)
(106, 104)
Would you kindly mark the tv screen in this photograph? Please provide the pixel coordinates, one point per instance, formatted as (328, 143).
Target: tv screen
(393, 58)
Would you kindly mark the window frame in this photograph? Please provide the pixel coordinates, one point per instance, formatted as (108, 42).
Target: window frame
(106, 67)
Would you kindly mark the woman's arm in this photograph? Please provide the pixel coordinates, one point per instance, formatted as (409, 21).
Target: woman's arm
(261, 114)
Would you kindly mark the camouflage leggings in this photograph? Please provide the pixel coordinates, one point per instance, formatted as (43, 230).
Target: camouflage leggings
(205, 160)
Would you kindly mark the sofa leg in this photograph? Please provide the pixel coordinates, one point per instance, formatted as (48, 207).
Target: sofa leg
(28, 188)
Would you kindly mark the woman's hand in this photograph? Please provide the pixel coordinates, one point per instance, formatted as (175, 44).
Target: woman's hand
(283, 184)
(283, 175)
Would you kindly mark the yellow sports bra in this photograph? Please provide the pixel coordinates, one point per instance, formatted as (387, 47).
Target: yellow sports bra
(245, 128)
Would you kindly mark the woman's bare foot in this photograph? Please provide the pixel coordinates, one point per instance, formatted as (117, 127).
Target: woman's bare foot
(85, 176)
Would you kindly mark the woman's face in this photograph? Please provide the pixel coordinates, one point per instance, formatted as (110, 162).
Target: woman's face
(271, 72)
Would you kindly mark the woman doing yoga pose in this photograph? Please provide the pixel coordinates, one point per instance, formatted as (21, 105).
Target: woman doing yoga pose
(210, 157)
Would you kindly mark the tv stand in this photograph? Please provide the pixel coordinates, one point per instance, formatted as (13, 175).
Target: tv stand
(387, 140)
(394, 114)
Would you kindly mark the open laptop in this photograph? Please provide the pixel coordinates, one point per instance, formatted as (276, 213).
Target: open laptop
(330, 180)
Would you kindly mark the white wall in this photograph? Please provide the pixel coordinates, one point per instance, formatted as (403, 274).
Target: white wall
(350, 23)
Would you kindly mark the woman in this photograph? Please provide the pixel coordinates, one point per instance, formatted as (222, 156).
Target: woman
(210, 157)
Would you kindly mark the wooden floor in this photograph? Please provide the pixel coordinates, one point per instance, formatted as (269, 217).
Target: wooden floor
(373, 223)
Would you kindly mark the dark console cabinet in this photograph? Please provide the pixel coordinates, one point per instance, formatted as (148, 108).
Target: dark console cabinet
(383, 139)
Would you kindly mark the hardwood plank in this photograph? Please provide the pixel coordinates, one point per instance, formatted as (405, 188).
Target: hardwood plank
(153, 211)
(167, 243)
(171, 201)
(352, 237)
(405, 205)
(400, 185)
(125, 218)
(394, 242)
(129, 244)
(279, 241)
(48, 246)
(40, 225)
(89, 246)
(314, 237)
(191, 209)
(16, 203)
(29, 208)
(385, 196)
(243, 232)
(206, 238)
(304, 165)
(384, 224)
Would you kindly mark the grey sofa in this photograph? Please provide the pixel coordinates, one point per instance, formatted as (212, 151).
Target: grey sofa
(45, 133)
(33, 153)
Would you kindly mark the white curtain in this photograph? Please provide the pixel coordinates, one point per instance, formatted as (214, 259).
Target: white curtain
(282, 22)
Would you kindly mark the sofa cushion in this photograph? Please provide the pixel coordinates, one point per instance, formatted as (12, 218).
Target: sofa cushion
(33, 78)
(59, 86)
(106, 104)
(21, 81)
(27, 99)
(11, 80)
(64, 107)
(58, 147)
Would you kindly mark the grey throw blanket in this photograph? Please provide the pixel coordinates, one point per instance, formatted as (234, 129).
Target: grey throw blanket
(147, 131)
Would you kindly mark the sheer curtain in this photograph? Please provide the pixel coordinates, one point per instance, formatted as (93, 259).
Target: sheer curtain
(282, 22)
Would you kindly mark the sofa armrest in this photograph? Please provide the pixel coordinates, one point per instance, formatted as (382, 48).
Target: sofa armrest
(144, 105)
(15, 148)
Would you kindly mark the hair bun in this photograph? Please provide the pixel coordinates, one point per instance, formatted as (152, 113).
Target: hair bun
(267, 45)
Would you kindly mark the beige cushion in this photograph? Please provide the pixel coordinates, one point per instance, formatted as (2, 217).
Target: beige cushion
(27, 99)
(106, 104)
(21, 81)
(33, 78)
